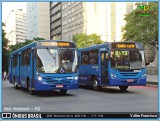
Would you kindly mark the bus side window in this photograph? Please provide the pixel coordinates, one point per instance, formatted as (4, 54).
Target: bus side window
(85, 58)
(94, 56)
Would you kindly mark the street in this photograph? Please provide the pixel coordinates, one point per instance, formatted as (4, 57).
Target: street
(136, 99)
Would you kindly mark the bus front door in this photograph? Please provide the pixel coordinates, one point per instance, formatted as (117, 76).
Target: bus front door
(19, 69)
(33, 68)
(104, 68)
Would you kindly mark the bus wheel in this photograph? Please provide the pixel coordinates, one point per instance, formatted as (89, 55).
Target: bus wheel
(31, 91)
(123, 88)
(63, 91)
(15, 84)
(95, 85)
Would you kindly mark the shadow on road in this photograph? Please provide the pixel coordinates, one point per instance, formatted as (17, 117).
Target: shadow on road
(45, 93)
(109, 90)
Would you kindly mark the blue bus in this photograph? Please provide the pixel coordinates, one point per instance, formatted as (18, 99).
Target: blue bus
(45, 65)
(112, 64)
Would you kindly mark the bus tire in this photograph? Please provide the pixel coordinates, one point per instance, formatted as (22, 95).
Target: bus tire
(63, 91)
(123, 88)
(30, 90)
(15, 84)
(95, 85)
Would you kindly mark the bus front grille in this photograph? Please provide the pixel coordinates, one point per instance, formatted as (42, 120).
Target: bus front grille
(57, 81)
(129, 74)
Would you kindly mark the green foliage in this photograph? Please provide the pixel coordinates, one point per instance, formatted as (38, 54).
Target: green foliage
(83, 40)
(142, 28)
(5, 52)
(19, 45)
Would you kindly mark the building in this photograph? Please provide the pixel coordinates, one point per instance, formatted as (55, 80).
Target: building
(103, 18)
(115, 19)
(55, 20)
(38, 20)
(83, 17)
(73, 20)
(16, 27)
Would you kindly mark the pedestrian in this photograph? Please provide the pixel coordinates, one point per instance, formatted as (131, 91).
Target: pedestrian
(4, 75)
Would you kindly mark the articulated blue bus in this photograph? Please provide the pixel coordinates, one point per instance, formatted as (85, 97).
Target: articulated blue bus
(45, 65)
(112, 64)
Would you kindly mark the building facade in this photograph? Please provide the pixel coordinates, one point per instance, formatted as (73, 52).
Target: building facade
(55, 20)
(115, 19)
(83, 17)
(73, 21)
(16, 27)
(103, 18)
(38, 20)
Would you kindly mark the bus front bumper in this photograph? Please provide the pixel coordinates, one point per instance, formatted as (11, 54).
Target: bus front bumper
(58, 86)
(127, 82)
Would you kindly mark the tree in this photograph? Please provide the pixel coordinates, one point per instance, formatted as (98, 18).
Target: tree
(142, 28)
(19, 45)
(83, 40)
(5, 52)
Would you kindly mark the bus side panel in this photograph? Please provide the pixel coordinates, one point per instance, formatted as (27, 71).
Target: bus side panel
(84, 77)
(87, 72)
(23, 77)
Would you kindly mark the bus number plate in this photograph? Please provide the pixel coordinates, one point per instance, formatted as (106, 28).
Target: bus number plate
(59, 86)
(130, 80)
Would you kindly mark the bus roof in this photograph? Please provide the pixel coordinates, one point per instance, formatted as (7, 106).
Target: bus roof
(34, 44)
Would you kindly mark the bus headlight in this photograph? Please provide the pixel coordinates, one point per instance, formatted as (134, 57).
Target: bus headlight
(70, 78)
(39, 78)
(76, 78)
(113, 75)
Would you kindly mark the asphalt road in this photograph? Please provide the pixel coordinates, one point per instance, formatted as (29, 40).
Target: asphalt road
(136, 99)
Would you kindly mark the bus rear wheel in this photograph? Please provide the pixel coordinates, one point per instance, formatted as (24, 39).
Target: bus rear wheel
(15, 84)
(123, 88)
(95, 85)
(63, 91)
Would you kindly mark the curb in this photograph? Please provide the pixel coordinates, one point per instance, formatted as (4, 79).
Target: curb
(152, 83)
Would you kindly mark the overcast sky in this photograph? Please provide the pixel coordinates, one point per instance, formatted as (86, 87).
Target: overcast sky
(8, 6)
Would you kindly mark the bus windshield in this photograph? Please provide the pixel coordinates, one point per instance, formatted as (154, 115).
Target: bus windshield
(56, 60)
(127, 59)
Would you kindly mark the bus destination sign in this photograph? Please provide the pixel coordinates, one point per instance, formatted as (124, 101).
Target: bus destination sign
(123, 45)
(56, 44)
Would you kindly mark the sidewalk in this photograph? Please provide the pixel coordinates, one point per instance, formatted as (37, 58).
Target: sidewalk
(152, 79)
